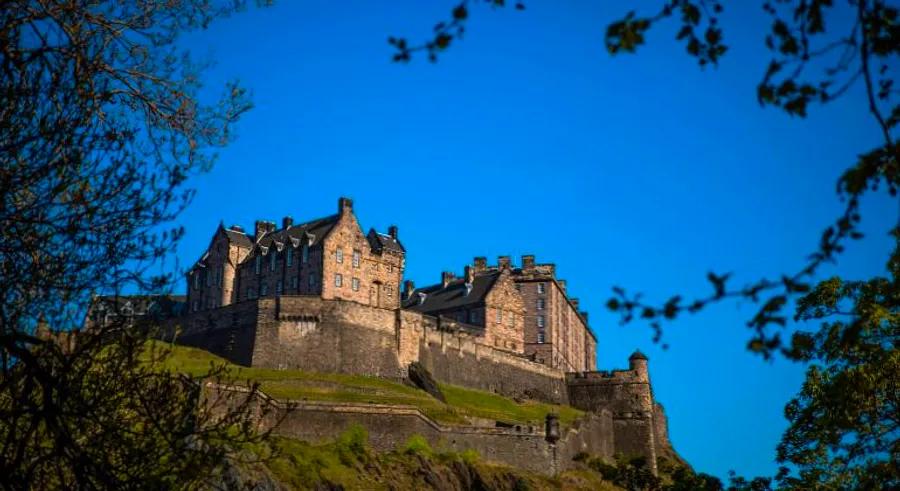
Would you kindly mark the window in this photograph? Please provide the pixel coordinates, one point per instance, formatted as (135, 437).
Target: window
(258, 264)
(512, 319)
(279, 287)
(355, 284)
(499, 316)
(339, 255)
(250, 293)
(304, 257)
(390, 290)
(356, 255)
(311, 281)
(264, 290)
(295, 282)
(473, 317)
(290, 256)
(208, 279)
(338, 279)
(540, 304)
(196, 305)
(272, 259)
(541, 338)
(540, 321)
(196, 280)
(542, 288)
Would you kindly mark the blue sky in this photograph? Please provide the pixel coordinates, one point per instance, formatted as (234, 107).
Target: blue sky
(640, 171)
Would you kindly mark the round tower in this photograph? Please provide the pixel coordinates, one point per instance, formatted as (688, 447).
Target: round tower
(637, 362)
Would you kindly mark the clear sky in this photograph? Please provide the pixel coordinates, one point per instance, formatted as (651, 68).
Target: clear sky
(641, 171)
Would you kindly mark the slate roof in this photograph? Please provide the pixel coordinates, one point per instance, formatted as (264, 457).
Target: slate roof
(379, 241)
(439, 298)
(317, 228)
(238, 238)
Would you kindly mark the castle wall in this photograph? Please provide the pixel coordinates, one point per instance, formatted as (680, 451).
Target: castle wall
(628, 396)
(390, 426)
(228, 331)
(462, 359)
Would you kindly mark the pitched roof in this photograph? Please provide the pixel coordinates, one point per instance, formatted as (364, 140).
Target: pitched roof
(379, 241)
(315, 229)
(238, 238)
(439, 298)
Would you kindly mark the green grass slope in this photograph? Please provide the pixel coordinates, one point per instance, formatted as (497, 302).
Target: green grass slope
(462, 403)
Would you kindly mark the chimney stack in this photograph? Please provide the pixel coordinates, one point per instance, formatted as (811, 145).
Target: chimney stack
(286, 222)
(345, 205)
(408, 288)
(480, 264)
(528, 261)
(470, 274)
(584, 315)
(503, 262)
(392, 231)
(260, 227)
(446, 278)
(574, 302)
(562, 285)
(237, 228)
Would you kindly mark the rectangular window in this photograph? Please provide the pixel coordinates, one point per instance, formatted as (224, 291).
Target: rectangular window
(295, 281)
(542, 287)
(473, 317)
(541, 338)
(250, 293)
(499, 316)
(355, 284)
(264, 290)
(390, 290)
(208, 279)
(290, 256)
(196, 280)
(279, 287)
(305, 255)
(311, 281)
(540, 304)
(338, 280)
(540, 321)
(356, 256)
(339, 255)
(272, 259)
(258, 264)
(512, 319)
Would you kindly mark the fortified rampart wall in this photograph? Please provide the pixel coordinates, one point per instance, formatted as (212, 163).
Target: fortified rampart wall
(308, 333)
(390, 426)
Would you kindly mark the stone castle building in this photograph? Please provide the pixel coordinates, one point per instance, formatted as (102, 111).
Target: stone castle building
(324, 296)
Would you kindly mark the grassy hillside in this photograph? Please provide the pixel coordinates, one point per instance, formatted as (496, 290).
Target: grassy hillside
(331, 387)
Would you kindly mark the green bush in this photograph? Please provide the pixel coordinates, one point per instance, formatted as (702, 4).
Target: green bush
(417, 445)
(352, 445)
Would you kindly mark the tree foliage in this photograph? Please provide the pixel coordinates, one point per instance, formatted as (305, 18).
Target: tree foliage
(100, 125)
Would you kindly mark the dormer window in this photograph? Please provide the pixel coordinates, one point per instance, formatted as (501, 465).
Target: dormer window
(339, 255)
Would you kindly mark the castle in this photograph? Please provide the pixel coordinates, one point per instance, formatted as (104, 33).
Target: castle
(323, 296)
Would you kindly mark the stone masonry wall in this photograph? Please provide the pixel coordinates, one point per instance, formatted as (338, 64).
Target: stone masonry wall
(390, 426)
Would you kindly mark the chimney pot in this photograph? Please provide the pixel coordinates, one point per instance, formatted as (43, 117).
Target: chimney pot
(260, 227)
(584, 315)
(392, 231)
(286, 222)
(574, 302)
(503, 262)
